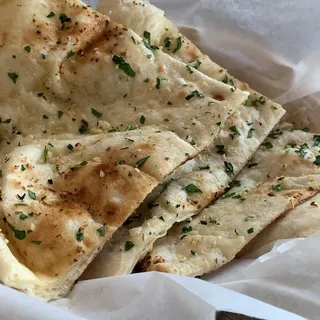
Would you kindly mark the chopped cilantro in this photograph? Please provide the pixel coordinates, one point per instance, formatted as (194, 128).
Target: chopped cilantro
(32, 195)
(141, 162)
(167, 42)
(51, 14)
(189, 69)
(218, 124)
(198, 64)
(70, 54)
(276, 187)
(23, 168)
(80, 235)
(267, 145)
(64, 18)
(195, 93)
(186, 229)
(235, 131)
(27, 48)
(317, 161)
(193, 252)
(191, 188)
(45, 154)
(302, 150)
(159, 79)
(250, 132)
(19, 234)
(235, 183)
(84, 127)
(101, 231)
(147, 43)
(228, 168)
(250, 230)
(13, 76)
(204, 168)
(128, 245)
(96, 113)
(142, 119)
(179, 43)
(124, 66)
(220, 149)
(60, 114)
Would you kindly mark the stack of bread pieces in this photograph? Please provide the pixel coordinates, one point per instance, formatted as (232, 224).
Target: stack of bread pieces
(124, 148)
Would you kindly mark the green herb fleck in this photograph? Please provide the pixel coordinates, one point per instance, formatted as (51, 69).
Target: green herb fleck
(147, 43)
(27, 48)
(80, 235)
(32, 195)
(167, 42)
(96, 113)
(235, 131)
(13, 76)
(159, 79)
(204, 168)
(317, 161)
(141, 162)
(70, 147)
(179, 43)
(37, 242)
(23, 168)
(276, 187)
(60, 114)
(19, 234)
(191, 188)
(70, 54)
(267, 145)
(51, 14)
(146, 80)
(250, 132)
(45, 154)
(220, 149)
(193, 252)
(124, 66)
(186, 229)
(45, 117)
(229, 168)
(64, 18)
(195, 93)
(101, 231)
(235, 183)
(189, 69)
(198, 64)
(218, 124)
(250, 230)
(142, 119)
(128, 245)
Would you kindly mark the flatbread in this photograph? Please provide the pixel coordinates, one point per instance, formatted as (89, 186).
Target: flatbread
(78, 71)
(283, 173)
(243, 133)
(300, 222)
(63, 199)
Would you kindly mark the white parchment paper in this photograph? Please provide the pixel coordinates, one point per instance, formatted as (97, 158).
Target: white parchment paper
(274, 46)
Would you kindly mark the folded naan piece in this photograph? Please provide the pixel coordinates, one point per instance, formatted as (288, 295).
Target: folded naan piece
(300, 222)
(68, 68)
(63, 199)
(194, 185)
(243, 133)
(283, 173)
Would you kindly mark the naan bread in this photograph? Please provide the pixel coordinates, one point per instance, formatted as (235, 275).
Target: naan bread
(236, 143)
(300, 222)
(74, 70)
(207, 172)
(283, 173)
(63, 199)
